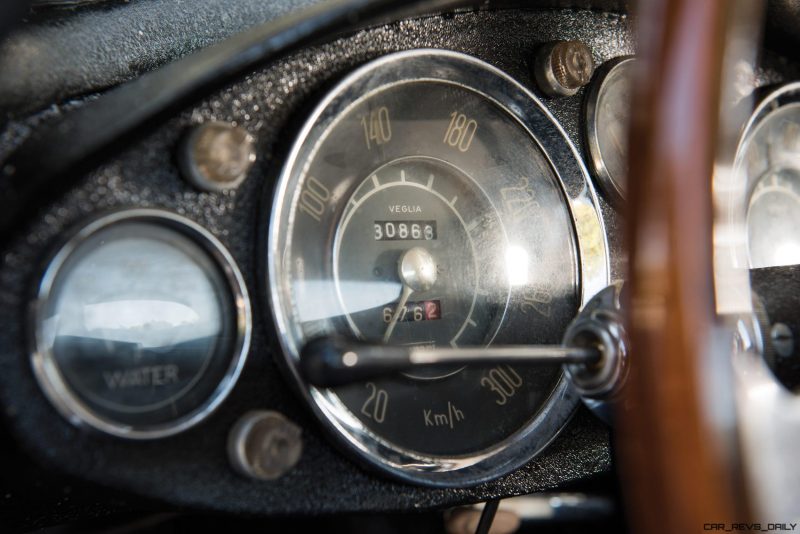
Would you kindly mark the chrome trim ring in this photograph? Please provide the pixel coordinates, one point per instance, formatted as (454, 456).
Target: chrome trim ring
(768, 413)
(491, 83)
(51, 379)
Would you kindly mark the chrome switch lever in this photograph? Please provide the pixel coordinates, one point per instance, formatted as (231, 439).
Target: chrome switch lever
(600, 324)
(594, 355)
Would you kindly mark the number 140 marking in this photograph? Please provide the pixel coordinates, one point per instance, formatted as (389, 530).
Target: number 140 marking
(377, 127)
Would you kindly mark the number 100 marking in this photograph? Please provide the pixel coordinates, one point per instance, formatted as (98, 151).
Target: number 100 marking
(314, 198)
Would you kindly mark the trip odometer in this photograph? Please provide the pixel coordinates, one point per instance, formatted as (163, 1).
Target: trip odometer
(431, 200)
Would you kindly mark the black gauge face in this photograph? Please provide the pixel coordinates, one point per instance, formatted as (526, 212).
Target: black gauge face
(411, 216)
(422, 212)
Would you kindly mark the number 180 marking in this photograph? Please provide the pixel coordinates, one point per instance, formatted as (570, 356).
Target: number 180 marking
(460, 132)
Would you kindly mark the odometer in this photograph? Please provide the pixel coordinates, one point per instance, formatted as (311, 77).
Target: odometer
(431, 200)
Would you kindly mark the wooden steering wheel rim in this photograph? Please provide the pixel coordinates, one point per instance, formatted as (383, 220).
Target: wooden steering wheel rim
(679, 471)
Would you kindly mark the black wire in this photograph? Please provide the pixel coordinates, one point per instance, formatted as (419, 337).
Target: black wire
(487, 516)
(13, 11)
(55, 156)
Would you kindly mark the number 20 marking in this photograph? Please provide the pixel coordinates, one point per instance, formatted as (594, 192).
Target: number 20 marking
(376, 404)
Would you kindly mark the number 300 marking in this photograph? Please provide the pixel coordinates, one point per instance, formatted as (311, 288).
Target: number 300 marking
(502, 380)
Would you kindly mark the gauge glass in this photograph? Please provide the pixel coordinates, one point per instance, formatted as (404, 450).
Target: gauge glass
(138, 326)
(773, 218)
(768, 163)
(607, 121)
(771, 161)
(417, 210)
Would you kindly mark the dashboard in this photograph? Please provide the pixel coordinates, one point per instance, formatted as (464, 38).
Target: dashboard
(444, 181)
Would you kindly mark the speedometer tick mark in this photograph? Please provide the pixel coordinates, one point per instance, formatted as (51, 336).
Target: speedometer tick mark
(453, 200)
(430, 182)
(375, 181)
(402, 176)
(471, 322)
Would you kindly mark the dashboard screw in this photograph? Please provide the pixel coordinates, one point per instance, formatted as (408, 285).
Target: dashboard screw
(216, 156)
(563, 67)
(264, 445)
(782, 340)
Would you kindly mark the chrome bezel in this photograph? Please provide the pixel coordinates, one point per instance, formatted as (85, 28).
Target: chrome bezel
(777, 97)
(768, 413)
(610, 185)
(47, 372)
(491, 83)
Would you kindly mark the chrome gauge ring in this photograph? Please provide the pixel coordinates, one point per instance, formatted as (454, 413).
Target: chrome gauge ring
(431, 199)
(142, 325)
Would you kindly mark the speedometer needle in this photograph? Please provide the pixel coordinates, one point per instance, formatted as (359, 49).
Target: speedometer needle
(400, 305)
(417, 272)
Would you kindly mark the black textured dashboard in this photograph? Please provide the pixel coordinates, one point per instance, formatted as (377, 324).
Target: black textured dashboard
(270, 104)
(68, 52)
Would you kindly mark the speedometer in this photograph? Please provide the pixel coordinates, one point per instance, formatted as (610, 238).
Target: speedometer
(432, 200)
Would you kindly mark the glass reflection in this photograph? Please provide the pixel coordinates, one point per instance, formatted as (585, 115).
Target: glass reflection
(136, 317)
(773, 218)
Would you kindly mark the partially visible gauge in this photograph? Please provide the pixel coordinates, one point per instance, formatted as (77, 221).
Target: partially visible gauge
(607, 116)
(768, 162)
(142, 325)
(430, 199)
